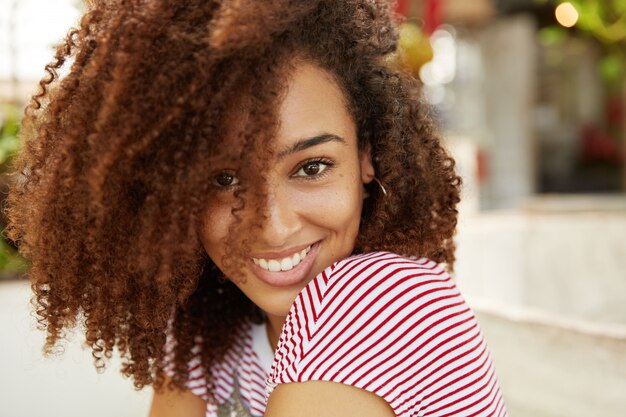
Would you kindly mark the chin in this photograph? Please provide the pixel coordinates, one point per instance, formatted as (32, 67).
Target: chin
(279, 305)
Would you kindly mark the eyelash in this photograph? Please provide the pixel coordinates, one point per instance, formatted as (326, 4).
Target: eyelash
(329, 166)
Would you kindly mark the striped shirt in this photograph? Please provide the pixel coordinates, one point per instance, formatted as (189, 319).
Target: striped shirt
(394, 326)
(248, 361)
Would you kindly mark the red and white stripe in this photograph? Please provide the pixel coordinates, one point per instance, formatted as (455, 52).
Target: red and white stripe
(394, 326)
(243, 360)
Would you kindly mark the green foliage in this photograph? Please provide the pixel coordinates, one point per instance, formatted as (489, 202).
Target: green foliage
(613, 69)
(604, 19)
(9, 130)
(10, 261)
(552, 35)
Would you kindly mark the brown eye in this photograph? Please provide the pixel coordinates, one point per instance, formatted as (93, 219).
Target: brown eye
(225, 179)
(312, 168)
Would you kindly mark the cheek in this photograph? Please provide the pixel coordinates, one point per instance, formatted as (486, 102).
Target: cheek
(214, 230)
(336, 207)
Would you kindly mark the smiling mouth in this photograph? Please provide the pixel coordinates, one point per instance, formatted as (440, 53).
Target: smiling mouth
(284, 264)
(287, 271)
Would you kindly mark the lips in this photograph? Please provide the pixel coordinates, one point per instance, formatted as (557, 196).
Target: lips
(295, 275)
(284, 264)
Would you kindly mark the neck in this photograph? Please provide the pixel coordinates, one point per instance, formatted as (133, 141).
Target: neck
(274, 328)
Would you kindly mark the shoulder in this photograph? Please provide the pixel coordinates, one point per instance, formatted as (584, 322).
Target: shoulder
(391, 325)
(167, 402)
(373, 284)
(382, 284)
(367, 293)
(378, 299)
(381, 270)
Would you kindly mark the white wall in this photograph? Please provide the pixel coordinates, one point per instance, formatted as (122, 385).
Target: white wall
(63, 386)
(571, 262)
(548, 284)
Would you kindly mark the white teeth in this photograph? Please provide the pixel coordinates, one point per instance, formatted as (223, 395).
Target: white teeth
(284, 264)
(273, 265)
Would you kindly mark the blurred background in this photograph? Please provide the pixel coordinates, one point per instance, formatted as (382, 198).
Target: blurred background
(531, 97)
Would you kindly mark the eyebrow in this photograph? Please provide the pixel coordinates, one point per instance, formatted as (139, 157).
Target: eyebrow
(306, 143)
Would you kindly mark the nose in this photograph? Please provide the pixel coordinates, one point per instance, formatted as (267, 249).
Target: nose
(282, 222)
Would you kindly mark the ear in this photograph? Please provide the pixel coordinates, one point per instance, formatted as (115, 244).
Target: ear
(367, 167)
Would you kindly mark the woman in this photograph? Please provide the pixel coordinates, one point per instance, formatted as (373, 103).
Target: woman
(250, 202)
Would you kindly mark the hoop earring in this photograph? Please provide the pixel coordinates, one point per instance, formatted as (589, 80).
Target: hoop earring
(381, 186)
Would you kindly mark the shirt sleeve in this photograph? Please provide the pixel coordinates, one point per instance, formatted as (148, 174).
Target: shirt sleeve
(393, 326)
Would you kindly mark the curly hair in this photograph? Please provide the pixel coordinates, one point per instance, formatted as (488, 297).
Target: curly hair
(112, 182)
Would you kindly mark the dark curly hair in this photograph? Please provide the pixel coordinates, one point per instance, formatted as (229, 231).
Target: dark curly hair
(113, 180)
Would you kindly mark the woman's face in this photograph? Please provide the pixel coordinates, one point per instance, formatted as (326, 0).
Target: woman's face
(315, 195)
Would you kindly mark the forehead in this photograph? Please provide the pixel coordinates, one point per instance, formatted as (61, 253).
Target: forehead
(313, 103)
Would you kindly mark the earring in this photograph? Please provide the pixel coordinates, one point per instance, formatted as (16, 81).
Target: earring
(382, 187)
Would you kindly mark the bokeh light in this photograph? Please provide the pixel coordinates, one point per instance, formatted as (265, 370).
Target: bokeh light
(566, 14)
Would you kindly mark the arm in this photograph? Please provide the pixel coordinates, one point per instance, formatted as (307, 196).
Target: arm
(324, 398)
(171, 403)
(406, 335)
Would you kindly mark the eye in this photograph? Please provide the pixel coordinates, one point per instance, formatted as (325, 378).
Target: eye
(225, 179)
(313, 168)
